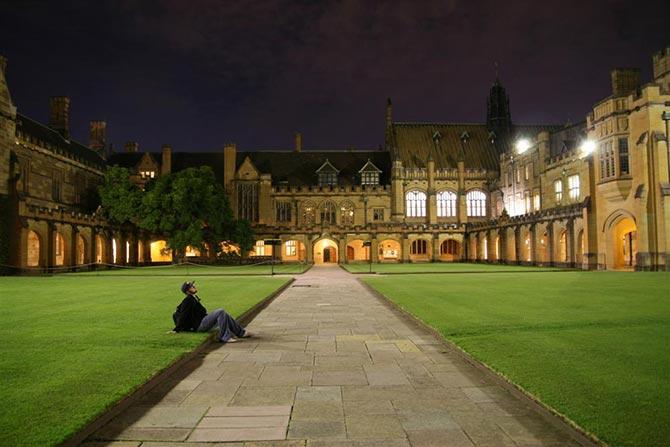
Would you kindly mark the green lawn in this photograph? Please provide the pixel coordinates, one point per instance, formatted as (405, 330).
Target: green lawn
(201, 270)
(441, 267)
(593, 345)
(72, 345)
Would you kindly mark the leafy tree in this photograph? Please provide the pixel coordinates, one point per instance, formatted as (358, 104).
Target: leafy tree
(244, 236)
(188, 207)
(120, 198)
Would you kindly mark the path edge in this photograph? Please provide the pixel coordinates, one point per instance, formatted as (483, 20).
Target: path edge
(555, 418)
(134, 396)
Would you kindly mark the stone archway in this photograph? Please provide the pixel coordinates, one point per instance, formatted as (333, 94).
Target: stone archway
(293, 250)
(389, 250)
(356, 251)
(450, 250)
(33, 249)
(325, 251)
(80, 256)
(624, 244)
(99, 249)
(59, 249)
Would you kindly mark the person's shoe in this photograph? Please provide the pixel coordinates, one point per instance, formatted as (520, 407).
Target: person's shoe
(248, 334)
(231, 340)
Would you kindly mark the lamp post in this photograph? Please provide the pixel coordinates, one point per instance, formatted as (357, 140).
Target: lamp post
(369, 245)
(274, 243)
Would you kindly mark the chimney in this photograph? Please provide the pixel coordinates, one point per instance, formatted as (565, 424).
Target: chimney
(59, 118)
(166, 159)
(389, 113)
(131, 146)
(229, 164)
(625, 81)
(298, 142)
(97, 139)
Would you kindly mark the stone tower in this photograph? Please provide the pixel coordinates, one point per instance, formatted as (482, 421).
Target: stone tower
(498, 118)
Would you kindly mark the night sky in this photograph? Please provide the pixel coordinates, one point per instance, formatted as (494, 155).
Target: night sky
(197, 74)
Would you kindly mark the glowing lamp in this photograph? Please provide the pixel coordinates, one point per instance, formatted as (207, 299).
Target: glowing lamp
(522, 145)
(587, 147)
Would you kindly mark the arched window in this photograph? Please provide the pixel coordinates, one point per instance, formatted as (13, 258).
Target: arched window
(328, 213)
(415, 204)
(476, 203)
(33, 258)
(346, 213)
(450, 247)
(419, 247)
(308, 213)
(59, 249)
(446, 204)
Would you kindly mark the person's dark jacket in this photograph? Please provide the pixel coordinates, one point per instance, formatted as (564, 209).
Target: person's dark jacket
(189, 314)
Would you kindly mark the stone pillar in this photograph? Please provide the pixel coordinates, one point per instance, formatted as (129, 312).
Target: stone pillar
(51, 244)
(551, 244)
(435, 243)
(309, 248)
(517, 244)
(570, 241)
(374, 249)
(405, 248)
(342, 249)
(74, 253)
(533, 243)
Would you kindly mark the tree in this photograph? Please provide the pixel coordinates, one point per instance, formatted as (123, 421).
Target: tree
(244, 236)
(189, 208)
(121, 200)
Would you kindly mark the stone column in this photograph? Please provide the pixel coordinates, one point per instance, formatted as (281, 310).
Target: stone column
(435, 242)
(405, 248)
(74, 253)
(570, 241)
(51, 244)
(374, 249)
(517, 244)
(551, 243)
(309, 248)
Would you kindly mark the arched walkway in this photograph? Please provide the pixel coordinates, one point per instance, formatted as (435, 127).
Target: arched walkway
(357, 252)
(33, 249)
(81, 250)
(160, 252)
(450, 250)
(59, 249)
(623, 237)
(389, 250)
(325, 251)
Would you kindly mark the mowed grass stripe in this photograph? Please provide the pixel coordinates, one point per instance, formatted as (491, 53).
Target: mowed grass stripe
(74, 345)
(198, 270)
(592, 345)
(443, 267)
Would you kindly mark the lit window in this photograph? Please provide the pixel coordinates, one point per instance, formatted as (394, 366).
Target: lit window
(148, 174)
(536, 201)
(308, 213)
(526, 199)
(558, 190)
(607, 169)
(573, 187)
(347, 213)
(370, 178)
(476, 203)
(290, 248)
(527, 171)
(624, 167)
(328, 213)
(260, 248)
(416, 204)
(446, 204)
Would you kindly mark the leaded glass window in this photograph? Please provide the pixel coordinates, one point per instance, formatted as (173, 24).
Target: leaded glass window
(476, 203)
(415, 204)
(328, 213)
(247, 201)
(446, 204)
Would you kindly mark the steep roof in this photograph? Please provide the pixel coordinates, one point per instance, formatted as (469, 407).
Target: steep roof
(52, 140)
(413, 144)
(299, 168)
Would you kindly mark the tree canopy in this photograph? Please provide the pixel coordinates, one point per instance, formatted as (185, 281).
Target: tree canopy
(188, 208)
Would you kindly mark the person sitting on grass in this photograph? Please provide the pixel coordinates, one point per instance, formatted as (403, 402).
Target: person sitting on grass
(191, 316)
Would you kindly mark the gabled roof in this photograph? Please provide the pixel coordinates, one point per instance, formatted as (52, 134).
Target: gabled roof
(328, 167)
(299, 168)
(446, 143)
(369, 166)
(52, 140)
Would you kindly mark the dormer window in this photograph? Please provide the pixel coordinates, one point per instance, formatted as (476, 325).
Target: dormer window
(369, 174)
(327, 174)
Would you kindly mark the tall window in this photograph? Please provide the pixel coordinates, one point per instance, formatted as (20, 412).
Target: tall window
(308, 213)
(536, 201)
(283, 210)
(527, 168)
(624, 167)
(290, 248)
(369, 178)
(607, 168)
(419, 247)
(558, 190)
(415, 203)
(573, 187)
(526, 201)
(328, 213)
(446, 204)
(450, 247)
(476, 203)
(378, 214)
(247, 201)
(347, 213)
(56, 182)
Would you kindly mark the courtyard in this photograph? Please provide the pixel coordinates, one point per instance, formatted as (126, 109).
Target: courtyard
(333, 364)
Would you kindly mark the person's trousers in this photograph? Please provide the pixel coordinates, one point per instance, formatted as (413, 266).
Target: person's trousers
(226, 324)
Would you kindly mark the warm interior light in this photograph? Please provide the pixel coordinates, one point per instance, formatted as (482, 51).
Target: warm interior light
(522, 145)
(587, 147)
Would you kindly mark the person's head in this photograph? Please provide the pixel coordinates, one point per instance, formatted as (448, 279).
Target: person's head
(189, 287)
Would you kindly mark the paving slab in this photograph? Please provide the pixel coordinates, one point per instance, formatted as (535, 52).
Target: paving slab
(331, 366)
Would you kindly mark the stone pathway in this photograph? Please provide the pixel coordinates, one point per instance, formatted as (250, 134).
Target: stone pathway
(332, 366)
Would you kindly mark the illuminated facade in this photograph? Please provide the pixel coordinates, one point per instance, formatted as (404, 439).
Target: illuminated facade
(590, 194)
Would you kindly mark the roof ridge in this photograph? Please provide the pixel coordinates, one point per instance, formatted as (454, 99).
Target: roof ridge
(435, 123)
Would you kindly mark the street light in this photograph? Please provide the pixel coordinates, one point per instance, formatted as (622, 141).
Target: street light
(522, 145)
(587, 148)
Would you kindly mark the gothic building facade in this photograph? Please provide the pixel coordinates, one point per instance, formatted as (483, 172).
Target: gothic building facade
(591, 195)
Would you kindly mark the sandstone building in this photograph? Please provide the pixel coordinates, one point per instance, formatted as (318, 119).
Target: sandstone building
(591, 194)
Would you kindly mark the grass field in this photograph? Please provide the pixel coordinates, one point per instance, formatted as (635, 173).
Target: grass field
(72, 344)
(592, 345)
(442, 267)
(200, 270)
